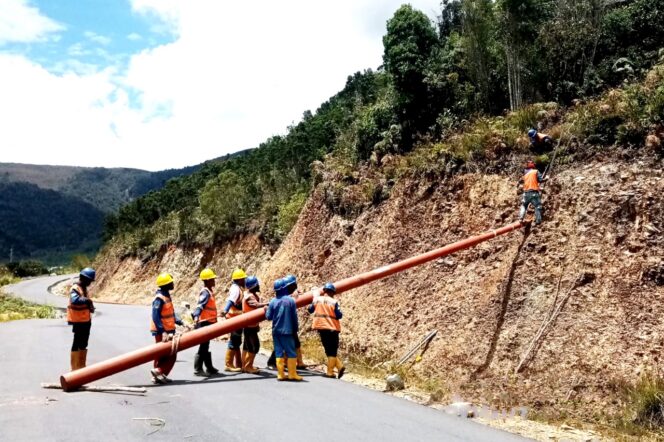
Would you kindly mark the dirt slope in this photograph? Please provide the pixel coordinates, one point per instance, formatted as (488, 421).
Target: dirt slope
(603, 231)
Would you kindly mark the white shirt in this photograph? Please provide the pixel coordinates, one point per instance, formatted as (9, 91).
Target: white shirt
(234, 294)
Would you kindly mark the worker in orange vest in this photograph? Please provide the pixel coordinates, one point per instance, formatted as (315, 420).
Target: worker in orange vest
(162, 326)
(327, 314)
(79, 316)
(252, 345)
(531, 180)
(540, 142)
(205, 314)
(232, 309)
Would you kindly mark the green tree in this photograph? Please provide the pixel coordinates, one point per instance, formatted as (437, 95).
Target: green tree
(223, 202)
(408, 47)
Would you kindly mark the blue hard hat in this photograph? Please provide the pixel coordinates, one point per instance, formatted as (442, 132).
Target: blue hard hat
(290, 280)
(330, 287)
(279, 284)
(532, 133)
(251, 282)
(89, 273)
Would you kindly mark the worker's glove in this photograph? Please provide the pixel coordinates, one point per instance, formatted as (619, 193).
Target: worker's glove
(167, 337)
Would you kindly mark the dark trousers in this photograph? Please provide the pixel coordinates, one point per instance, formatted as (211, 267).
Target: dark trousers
(165, 363)
(205, 346)
(251, 342)
(235, 343)
(81, 332)
(330, 340)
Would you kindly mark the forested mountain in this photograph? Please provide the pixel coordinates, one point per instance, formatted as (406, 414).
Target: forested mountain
(41, 222)
(478, 59)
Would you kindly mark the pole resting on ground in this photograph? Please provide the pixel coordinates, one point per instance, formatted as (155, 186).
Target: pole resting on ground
(94, 372)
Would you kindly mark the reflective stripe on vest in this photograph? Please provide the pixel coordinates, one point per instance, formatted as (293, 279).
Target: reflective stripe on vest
(236, 308)
(209, 313)
(167, 315)
(246, 308)
(78, 312)
(324, 316)
(530, 182)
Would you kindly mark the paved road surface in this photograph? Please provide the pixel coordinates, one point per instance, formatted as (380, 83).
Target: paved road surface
(233, 407)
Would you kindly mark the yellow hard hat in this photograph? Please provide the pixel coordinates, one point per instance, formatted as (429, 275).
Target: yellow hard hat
(207, 274)
(238, 274)
(164, 279)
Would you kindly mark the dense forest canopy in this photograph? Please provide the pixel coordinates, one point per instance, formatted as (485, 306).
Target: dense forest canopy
(478, 58)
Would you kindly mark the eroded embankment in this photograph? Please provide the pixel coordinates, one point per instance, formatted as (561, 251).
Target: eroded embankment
(603, 227)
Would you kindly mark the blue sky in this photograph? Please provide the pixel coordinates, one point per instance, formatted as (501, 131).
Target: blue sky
(157, 84)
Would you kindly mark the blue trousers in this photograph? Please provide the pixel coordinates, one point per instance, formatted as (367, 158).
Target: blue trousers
(531, 197)
(284, 344)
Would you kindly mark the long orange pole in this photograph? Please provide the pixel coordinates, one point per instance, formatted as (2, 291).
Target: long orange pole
(75, 379)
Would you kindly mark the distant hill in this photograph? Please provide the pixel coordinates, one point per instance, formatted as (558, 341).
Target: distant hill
(40, 223)
(106, 189)
(52, 212)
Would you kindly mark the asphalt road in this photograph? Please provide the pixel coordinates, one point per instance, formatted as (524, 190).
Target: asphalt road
(233, 407)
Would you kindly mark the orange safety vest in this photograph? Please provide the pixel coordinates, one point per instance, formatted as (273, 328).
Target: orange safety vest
(209, 313)
(530, 182)
(324, 317)
(167, 315)
(246, 308)
(78, 312)
(236, 308)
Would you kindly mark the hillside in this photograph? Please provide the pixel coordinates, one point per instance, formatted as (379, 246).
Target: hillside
(563, 319)
(37, 222)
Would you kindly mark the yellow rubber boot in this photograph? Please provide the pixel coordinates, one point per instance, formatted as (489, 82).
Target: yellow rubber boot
(82, 358)
(230, 355)
(281, 366)
(248, 365)
(73, 360)
(292, 370)
(244, 361)
(340, 367)
(300, 361)
(331, 363)
(238, 359)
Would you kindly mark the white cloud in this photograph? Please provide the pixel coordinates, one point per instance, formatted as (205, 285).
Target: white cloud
(134, 37)
(96, 38)
(22, 23)
(235, 74)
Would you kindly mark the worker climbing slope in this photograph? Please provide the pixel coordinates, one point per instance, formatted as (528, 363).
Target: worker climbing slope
(251, 345)
(232, 309)
(79, 316)
(162, 326)
(205, 315)
(540, 142)
(531, 181)
(282, 311)
(327, 314)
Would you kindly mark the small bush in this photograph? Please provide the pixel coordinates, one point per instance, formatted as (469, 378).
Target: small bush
(25, 269)
(646, 399)
(13, 309)
(290, 212)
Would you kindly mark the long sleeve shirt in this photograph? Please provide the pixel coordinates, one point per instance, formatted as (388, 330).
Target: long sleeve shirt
(157, 305)
(282, 311)
(203, 299)
(79, 299)
(234, 298)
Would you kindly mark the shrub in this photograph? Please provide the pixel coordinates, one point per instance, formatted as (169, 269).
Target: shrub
(646, 402)
(25, 269)
(289, 213)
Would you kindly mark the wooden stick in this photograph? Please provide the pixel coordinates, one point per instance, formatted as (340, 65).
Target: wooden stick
(98, 388)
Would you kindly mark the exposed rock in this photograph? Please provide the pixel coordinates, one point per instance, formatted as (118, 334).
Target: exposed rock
(394, 383)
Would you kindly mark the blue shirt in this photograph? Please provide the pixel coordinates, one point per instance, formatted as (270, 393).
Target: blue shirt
(77, 298)
(282, 311)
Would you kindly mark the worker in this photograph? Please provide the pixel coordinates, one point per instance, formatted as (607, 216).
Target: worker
(79, 316)
(326, 321)
(205, 314)
(294, 292)
(283, 314)
(162, 326)
(291, 286)
(540, 142)
(251, 301)
(232, 309)
(531, 192)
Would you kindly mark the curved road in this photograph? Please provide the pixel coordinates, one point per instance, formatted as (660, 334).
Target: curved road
(233, 407)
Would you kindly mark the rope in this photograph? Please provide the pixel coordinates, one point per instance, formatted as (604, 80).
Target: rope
(175, 343)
